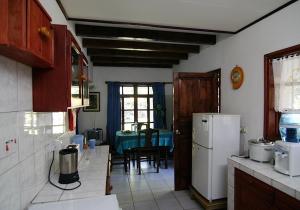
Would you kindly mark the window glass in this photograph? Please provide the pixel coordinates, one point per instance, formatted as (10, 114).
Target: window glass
(151, 116)
(142, 116)
(142, 90)
(151, 102)
(150, 91)
(151, 125)
(129, 103)
(142, 103)
(128, 90)
(128, 116)
(136, 105)
(127, 126)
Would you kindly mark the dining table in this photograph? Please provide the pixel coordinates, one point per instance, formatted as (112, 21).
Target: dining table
(129, 139)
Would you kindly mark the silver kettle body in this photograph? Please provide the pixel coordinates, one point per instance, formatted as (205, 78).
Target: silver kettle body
(68, 166)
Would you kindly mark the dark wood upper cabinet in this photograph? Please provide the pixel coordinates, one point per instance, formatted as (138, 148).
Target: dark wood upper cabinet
(27, 34)
(62, 87)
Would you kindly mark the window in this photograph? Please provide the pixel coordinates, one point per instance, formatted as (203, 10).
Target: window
(286, 71)
(272, 112)
(136, 105)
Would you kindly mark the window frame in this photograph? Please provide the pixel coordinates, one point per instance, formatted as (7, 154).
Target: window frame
(135, 109)
(271, 117)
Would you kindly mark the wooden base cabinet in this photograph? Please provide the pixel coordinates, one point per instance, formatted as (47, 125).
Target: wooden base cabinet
(253, 194)
(26, 33)
(60, 88)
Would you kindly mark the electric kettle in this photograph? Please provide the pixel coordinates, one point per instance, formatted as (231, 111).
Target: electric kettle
(68, 165)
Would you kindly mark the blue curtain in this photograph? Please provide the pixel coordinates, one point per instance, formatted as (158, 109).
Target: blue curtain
(159, 105)
(113, 111)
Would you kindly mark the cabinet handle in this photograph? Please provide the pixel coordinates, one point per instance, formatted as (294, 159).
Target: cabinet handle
(83, 77)
(44, 32)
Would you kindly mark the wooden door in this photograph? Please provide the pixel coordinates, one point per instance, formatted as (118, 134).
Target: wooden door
(193, 92)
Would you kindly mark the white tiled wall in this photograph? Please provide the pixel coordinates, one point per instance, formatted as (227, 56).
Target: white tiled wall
(24, 168)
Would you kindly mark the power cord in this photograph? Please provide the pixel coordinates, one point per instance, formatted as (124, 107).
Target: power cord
(55, 184)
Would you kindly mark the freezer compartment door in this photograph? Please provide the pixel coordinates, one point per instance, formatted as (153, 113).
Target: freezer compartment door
(201, 170)
(202, 130)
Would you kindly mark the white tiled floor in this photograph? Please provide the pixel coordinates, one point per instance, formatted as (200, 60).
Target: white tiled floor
(149, 191)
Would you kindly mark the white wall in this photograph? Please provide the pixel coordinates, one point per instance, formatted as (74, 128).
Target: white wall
(89, 120)
(24, 169)
(247, 49)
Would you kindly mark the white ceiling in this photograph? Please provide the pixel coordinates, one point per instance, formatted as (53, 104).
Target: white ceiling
(224, 15)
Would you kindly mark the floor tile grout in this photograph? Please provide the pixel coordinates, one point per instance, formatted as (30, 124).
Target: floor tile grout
(134, 179)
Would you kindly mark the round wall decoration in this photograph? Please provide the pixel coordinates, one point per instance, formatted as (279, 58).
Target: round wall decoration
(237, 77)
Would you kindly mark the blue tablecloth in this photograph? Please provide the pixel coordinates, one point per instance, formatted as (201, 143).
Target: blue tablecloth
(130, 140)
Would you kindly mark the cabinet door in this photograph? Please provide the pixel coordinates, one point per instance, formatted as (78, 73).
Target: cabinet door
(285, 202)
(39, 31)
(85, 81)
(3, 21)
(252, 194)
(76, 95)
(13, 23)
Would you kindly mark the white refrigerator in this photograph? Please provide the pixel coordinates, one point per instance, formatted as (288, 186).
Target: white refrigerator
(215, 138)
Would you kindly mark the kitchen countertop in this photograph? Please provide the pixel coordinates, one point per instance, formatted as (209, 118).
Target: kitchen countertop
(265, 173)
(92, 170)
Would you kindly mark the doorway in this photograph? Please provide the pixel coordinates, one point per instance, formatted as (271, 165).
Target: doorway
(193, 93)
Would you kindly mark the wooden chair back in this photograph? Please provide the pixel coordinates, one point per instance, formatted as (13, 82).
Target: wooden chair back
(148, 137)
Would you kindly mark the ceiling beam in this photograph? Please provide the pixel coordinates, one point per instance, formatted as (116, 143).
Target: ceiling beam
(133, 65)
(137, 45)
(99, 59)
(144, 34)
(136, 54)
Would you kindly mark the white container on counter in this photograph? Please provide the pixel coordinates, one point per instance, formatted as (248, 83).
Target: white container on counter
(260, 151)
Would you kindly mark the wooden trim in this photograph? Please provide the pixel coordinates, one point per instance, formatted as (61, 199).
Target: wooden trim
(43, 9)
(136, 54)
(137, 45)
(271, 117)
(148, 25)
(100, 59)
(62, 9)
(266, 15)
(217, 74)
(140, 83)
(146, 34)
(215, 204)
(172, 27)
(284, 52)
(146, 65)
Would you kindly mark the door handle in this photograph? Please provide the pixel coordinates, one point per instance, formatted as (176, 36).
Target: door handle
(177, 132)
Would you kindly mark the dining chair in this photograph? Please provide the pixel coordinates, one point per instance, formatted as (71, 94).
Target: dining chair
(164, 153)
(149, 149)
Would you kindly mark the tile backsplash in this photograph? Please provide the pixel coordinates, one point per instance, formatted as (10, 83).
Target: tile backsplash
(25, 137)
